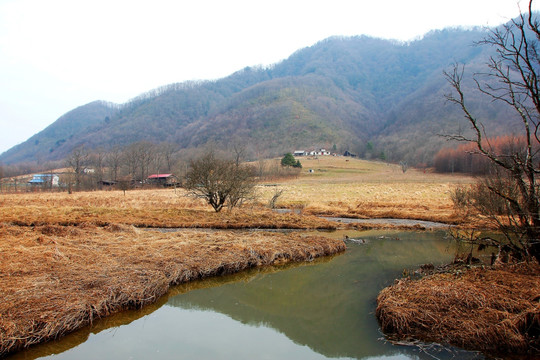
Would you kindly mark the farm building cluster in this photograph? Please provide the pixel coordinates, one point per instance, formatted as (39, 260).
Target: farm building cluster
(65, 180)
(44, 180)
(320, 152)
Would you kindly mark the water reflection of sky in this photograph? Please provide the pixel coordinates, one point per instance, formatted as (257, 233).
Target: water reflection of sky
(174, 333)
(321, 310)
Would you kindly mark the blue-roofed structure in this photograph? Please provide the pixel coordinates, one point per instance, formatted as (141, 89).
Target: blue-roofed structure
(44, 179)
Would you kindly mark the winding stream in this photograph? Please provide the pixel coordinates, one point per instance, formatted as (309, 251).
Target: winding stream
(324, 309)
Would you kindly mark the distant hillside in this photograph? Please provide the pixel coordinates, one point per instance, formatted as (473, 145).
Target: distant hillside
(49, 144)
(342, 91)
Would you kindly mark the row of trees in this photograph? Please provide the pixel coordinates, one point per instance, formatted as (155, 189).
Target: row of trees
(465, 158)
(223, 179)
(132, 163)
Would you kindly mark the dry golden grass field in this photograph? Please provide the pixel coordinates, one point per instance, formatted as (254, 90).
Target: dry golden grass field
(337, 187)
(67, 259)
(340, 186)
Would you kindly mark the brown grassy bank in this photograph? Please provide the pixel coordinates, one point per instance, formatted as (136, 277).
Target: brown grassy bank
(142, 208)
(55, 279)
(496, 311)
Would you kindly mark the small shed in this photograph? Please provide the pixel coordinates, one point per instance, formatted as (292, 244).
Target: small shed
(44, 179)
(163, 180)
(108, 182)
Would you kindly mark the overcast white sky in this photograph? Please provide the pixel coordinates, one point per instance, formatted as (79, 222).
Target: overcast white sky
(56, 55)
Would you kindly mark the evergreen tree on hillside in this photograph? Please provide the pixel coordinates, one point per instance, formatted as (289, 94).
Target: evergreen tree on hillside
(288, 160)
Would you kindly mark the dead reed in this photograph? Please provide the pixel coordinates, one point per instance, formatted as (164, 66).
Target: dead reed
(142, 208)
(496, 311)
(55, 279)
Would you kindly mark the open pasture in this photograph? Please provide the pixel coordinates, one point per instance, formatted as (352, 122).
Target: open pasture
(348, 187)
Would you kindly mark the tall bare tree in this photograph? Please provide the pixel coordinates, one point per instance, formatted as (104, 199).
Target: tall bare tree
(145, 151)
(113, 159)
(167, 150)
(513, 79)
(97, 159)
(130, 160)
(238, 149)
(137, 158)
(78, 160)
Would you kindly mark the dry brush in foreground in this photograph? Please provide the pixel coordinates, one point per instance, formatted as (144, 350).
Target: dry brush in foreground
(496, 311)
(56, 279)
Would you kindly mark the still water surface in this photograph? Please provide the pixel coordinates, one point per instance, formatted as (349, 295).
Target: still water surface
(324, 309)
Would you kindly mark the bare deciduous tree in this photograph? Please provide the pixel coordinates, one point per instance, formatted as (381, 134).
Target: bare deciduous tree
(113, 160)
(137, 158)
(220, 182)
(78, 160)
(98, 161)
(242, 184)
(167, 150)
(277, 194)
(513, 80)
(239, 151)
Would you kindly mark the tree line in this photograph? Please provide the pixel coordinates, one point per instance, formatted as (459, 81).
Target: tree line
(125, 167)
(465, 158)
(83, 169)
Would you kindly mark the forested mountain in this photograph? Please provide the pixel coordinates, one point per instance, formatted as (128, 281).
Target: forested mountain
(343, 91)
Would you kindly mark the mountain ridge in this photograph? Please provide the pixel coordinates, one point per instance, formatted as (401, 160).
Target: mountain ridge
(343, 91)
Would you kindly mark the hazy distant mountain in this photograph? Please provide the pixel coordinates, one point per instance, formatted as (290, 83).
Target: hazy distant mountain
(42, 146)
(341, 91)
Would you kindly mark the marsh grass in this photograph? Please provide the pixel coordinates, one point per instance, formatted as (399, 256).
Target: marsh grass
(142, 208)
(68, 259)
(60, 278)
(495, 311)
